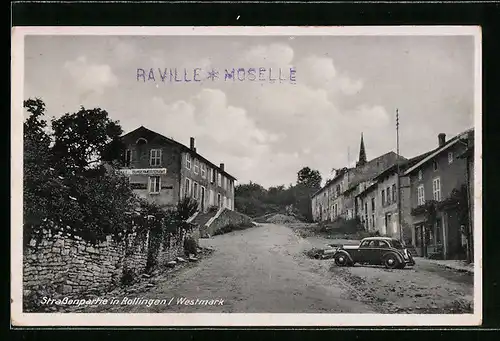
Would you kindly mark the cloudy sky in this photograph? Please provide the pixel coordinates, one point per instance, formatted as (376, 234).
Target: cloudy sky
(265, 132)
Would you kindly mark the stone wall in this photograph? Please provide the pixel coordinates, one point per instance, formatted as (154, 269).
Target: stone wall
(225, 218)
(62, 264)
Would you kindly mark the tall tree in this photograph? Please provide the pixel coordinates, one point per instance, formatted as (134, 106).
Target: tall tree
(85, 138)
(36, 162)
(311, 178)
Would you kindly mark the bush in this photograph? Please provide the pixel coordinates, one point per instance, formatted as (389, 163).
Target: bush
(190, 246)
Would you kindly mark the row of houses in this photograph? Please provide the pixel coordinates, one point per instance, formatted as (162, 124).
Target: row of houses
(163, 171)
(427, 200)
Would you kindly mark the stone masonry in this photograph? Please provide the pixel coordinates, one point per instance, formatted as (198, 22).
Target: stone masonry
(62, 264)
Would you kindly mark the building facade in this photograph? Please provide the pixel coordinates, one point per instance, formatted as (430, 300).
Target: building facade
(338, 197)
(164, 171)
(436, 217)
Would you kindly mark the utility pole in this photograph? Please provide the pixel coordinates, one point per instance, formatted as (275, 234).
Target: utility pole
(398, 177)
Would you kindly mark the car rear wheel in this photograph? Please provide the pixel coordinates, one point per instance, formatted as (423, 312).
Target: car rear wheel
(391, 262)
(341, 260)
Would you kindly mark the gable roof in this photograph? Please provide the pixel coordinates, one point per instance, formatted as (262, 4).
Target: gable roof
(433, 153)
(186, 149)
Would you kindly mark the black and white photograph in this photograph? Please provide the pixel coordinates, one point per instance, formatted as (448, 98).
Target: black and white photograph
(246, 176)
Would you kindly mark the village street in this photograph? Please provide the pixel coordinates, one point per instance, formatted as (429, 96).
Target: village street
(264, 270)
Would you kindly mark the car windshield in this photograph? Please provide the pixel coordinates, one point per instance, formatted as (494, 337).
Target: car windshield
(397, 244)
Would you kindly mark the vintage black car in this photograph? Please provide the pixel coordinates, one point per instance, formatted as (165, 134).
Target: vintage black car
(377, 251)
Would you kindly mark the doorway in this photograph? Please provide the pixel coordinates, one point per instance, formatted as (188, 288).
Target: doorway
(202, 199)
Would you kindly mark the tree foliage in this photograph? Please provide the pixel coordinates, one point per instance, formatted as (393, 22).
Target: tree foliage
(84, 139)
(254, 200)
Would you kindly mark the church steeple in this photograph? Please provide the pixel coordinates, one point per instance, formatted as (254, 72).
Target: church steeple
(362, 153)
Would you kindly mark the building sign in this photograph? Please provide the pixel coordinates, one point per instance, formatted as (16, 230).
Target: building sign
(138, 186)
(144, 171)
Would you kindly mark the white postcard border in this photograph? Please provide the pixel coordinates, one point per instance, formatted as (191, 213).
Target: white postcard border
(20, 319)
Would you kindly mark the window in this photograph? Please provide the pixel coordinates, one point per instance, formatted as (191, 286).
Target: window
(224, 203)
(188, 161)
(187, 188)
(219, 179)
(214, 175)
(420, 195)
(230, 204)
(218, 199)
(394, 193)
(366, 208)
(436, 189)
(383, 197)
(373, 204)
(450, 157)
(196, 167)
(128, 158)
(203, 171)
(223, 182)
(373, 220)
(420, 175)
(195, 190)
(154, 184)
(383, 244)
(388, 191)
(155, 157)
(434, 165)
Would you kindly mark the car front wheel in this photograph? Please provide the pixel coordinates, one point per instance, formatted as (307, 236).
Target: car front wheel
(391, 262)
(341, 260)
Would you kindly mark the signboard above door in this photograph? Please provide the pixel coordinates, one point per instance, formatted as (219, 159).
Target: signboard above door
(144, 171)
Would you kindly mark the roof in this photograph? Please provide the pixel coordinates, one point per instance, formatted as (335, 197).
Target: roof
(183, 147)
(379, 238)
(340, 173)
(439, 150)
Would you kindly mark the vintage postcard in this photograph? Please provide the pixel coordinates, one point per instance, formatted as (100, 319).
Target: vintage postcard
(246, 176)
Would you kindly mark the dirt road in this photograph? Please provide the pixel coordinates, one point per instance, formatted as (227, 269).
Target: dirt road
(264, 270)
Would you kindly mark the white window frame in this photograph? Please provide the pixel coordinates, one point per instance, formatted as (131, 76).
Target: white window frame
(157, 157)
(196, 188)
(219, 179)
(187, 187)
(203, 168)
(420, 195)
(450, 157)
(436, 189)
(196, 168)
(151, 187)
(188, 161)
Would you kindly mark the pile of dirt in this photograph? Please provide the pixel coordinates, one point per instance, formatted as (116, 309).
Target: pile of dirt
(282, 219)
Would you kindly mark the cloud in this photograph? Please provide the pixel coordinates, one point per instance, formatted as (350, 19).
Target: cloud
(320, 72)
(272, 55)
(89, 78)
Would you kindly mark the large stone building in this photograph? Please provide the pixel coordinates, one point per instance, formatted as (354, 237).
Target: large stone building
(337, 197)
(164, 171)
(437, 207)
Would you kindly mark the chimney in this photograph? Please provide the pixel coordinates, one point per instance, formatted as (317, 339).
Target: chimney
(222, 167)
(441, 139)
(191, 143)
